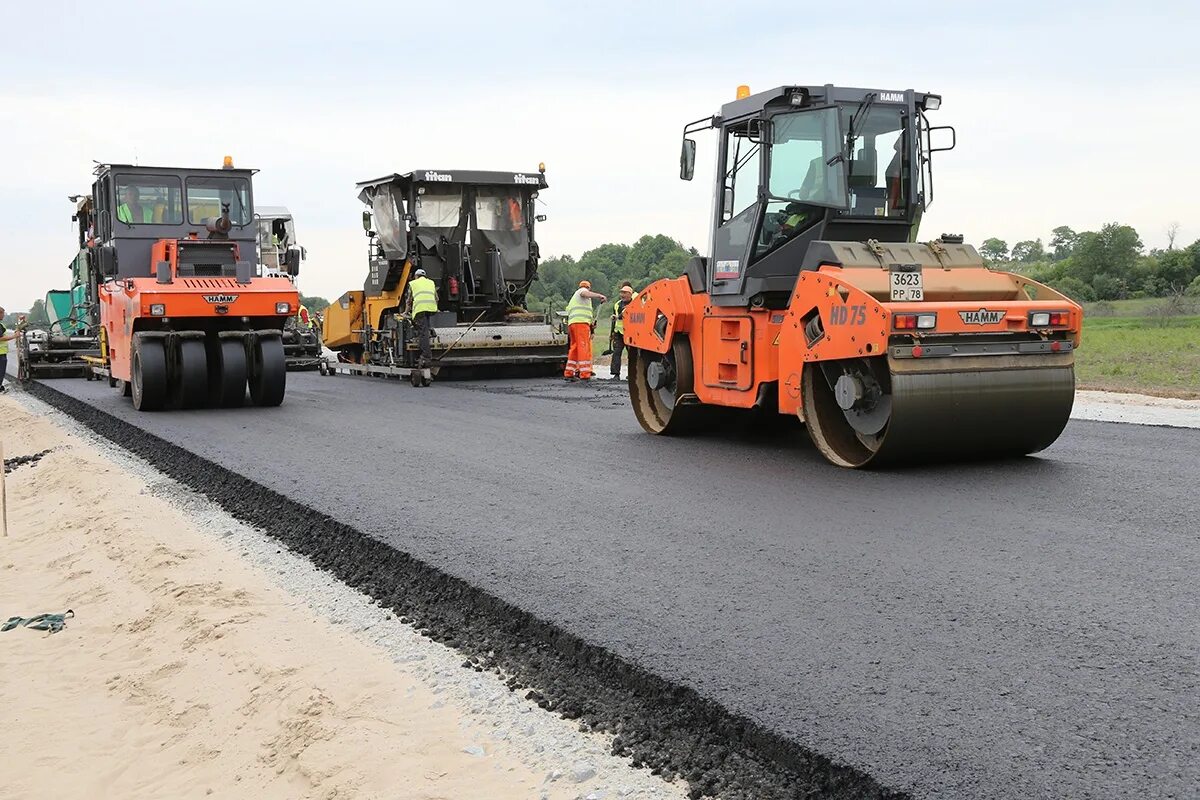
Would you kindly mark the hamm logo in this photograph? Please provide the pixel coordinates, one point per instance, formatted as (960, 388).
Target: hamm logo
(220, 299)
(981, 317)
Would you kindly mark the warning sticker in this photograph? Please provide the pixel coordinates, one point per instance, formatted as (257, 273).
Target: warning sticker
(727, 269)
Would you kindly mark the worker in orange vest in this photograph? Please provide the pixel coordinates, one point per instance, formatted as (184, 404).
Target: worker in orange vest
(581, 321)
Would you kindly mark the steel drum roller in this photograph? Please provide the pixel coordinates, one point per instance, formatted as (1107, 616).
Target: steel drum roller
(952, 410)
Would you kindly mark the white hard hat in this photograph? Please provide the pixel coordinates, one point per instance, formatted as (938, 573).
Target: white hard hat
(419, 273)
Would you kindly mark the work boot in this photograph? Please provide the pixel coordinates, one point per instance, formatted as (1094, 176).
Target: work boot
(615, 376)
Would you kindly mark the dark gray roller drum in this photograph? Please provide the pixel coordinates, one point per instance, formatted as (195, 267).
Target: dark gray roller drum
(949, 414)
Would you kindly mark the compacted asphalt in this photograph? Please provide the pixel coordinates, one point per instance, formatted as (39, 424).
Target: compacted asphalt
(1021, 628)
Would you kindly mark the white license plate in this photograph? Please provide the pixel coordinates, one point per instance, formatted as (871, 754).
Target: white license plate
(907, 286)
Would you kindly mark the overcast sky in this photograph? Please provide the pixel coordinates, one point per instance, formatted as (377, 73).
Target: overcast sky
(1067, 113)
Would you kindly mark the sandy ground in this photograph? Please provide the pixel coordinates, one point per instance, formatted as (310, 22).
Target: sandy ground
(186, 673)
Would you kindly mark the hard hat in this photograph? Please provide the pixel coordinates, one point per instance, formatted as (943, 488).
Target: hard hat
(585, 284)
(419, 273)
(625, 289)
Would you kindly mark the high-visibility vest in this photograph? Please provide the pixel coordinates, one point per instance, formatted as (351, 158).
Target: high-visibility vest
(424, 295)
(125, 214)
(580, 309)
(619, 310)
(3, 345)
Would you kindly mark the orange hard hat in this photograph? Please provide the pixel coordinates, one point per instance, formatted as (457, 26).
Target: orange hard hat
(585, 284)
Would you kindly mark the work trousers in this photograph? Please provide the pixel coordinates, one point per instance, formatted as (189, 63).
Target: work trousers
(3, 368)
(579, 353)
(618, 347)
(422, 321)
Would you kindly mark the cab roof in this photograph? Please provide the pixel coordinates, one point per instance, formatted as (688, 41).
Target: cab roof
(781, 96)
(137, 169)
(533, 178)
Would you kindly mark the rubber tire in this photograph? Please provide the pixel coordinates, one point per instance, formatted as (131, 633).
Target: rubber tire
(189, 384)
(414, 378)
(226, 373)
(148, 373)
(268, 379)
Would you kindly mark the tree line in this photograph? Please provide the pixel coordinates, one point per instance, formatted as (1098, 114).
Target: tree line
(646, 260)
(1108, 264)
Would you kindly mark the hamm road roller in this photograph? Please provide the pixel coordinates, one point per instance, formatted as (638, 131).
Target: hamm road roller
(184, 319)
(818, 301)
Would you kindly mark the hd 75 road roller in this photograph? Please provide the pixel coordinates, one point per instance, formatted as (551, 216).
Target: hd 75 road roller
(817, 300)
(184, 319)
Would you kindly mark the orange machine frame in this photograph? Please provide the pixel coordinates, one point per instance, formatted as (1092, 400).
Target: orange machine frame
(740, 352)
(126, 304)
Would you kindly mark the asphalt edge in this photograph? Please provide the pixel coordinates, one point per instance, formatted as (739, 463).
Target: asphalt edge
(662, 726)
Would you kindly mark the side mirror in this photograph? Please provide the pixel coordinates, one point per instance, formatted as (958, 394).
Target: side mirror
(540, 218)
(107, 256)
(727, 204)
(941, 138)
(292, 259)
(367, 221)
(687, 160)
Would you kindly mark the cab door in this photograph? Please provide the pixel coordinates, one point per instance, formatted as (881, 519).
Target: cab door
(737, 205)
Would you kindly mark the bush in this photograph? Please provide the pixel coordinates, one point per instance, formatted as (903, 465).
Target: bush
(1193, 289)
(1075, 289)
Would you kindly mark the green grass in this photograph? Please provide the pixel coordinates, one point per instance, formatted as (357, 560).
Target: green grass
(1136, 350)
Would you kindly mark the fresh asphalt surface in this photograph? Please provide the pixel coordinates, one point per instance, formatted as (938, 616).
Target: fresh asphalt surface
(1025, 628)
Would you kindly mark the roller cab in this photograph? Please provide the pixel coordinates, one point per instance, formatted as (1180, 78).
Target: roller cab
(889, 350)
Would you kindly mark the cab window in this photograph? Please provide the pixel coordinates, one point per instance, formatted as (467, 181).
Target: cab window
(498, 210)
(439, 208)
(148, 200)
(208, 197)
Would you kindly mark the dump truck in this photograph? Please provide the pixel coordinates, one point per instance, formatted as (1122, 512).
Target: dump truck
(472, 232)
(277, 248)
(817, 301)
(184, 321)
(61, 348)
